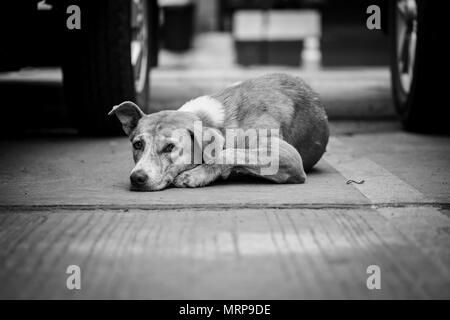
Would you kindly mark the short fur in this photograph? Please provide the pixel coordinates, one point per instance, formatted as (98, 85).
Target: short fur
(274, 101)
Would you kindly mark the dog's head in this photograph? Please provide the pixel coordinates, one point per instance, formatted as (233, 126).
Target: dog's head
(165, 144)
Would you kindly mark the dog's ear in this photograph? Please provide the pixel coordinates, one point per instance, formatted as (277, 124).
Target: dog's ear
(209, 142)
(128, 114)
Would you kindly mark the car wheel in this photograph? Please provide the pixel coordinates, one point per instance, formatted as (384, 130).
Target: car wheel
(415, 33)
(108, 61)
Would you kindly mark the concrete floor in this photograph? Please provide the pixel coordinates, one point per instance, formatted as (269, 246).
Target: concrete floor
(65, 201)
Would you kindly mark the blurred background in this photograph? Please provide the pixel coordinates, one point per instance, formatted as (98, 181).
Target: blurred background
(162, 53)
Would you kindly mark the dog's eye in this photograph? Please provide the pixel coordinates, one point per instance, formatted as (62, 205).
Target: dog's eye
(138, 145)
(168, 148)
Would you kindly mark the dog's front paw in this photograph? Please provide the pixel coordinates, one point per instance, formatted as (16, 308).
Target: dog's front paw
(190, 179)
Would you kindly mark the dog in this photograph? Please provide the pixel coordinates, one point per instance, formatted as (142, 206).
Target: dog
(282, 104)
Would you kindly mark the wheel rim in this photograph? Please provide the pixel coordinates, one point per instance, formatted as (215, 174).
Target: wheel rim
(139, 47)
(406, 41)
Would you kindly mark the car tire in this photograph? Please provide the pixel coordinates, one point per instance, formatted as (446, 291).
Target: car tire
(98, 72)
(414, 67)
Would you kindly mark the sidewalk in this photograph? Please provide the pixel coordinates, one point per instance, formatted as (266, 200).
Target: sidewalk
(66, 201)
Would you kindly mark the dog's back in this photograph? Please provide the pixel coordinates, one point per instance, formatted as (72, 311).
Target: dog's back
(279, 101)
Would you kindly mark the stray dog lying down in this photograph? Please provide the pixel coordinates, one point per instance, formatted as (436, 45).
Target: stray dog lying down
(272, 126)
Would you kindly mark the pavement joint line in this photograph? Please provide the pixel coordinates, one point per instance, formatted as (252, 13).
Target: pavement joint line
(214, 207)
(381, 186)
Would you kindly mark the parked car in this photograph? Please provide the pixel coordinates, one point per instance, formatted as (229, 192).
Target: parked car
(418, 63)
(417, 56)
(104, 62)
(108, 60)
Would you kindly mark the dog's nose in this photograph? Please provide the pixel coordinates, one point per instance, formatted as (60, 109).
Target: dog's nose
(138, 178)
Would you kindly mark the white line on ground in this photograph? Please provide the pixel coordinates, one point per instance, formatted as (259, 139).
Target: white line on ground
(380, 186)
(423, 225)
